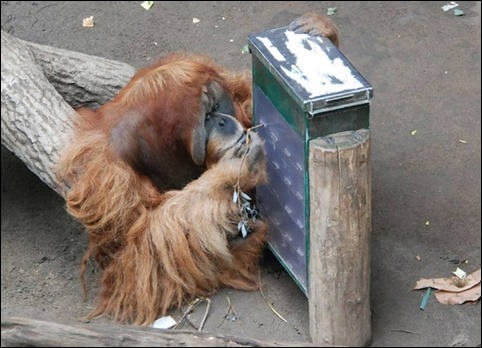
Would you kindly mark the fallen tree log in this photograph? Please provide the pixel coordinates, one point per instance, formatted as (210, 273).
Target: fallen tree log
(36, 333)
(40, 87)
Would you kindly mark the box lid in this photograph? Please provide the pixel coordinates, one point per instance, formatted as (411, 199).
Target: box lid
(311, 69)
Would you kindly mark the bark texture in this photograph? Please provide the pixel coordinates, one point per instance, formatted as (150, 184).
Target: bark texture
(41, 86)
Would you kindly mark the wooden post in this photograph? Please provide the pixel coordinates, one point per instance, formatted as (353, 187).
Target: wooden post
(340, 224)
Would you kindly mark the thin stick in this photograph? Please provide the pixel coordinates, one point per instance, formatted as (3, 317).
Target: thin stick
(405, 331)
(227, 313)
(231, 306)
(269, 304)
(257, 126)
(205, 314)
(237, 187)
(192, 305)
(92, 265)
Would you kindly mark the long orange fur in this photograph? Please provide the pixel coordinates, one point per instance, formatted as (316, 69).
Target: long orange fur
(158, 250)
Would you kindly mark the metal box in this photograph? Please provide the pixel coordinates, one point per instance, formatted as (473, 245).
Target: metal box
(303, 88)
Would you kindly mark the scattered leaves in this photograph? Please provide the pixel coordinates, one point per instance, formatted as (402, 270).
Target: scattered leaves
(243, 229)
(449, 6)
(331, 11)
(451, 298)
(147, 4)
(452, 284)
(453, 290)
(458, 12)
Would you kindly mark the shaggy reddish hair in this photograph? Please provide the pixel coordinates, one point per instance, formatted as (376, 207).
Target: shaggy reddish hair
(158, 249)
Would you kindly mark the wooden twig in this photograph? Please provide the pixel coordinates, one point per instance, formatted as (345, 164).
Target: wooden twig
(205, 314)
(269, 304)
(192, 305)
(92, 265)
(405, 331)
(230, 308)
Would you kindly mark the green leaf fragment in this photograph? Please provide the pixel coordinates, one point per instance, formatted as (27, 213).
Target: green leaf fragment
(331, 11)
(458, 12)
(245, 196)
(147, 4)
(244, 230)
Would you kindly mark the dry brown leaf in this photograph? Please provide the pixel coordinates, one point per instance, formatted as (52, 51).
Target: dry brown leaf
(453, 298)
(452, 284)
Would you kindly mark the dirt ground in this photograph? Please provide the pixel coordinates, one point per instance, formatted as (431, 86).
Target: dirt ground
(425, 68)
